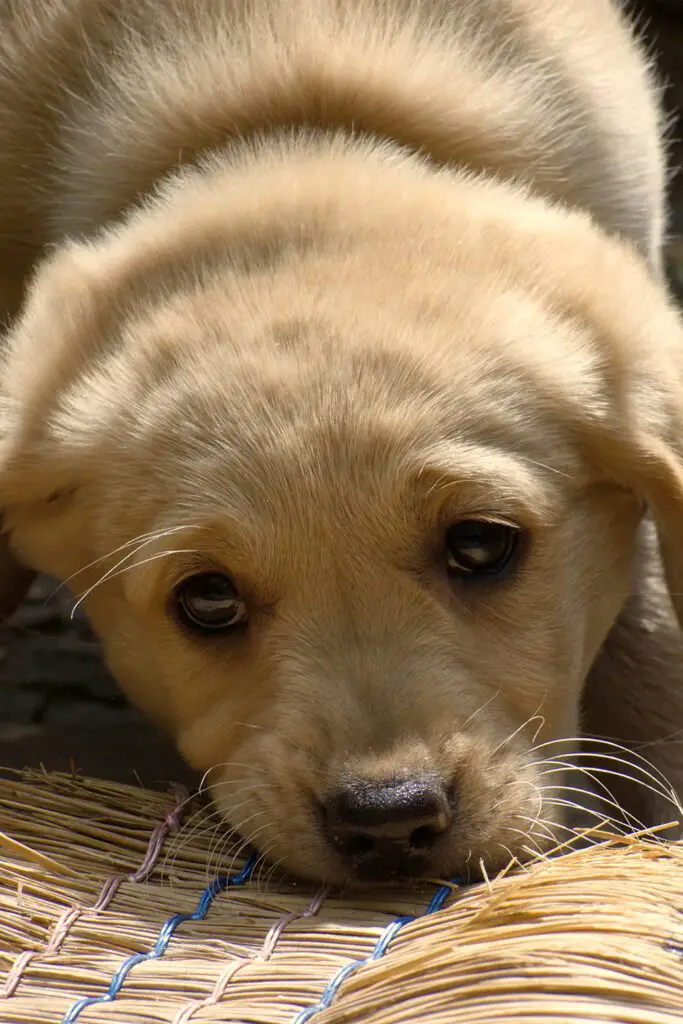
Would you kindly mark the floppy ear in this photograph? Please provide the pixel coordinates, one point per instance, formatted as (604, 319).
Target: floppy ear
(651, 465)
(629, 417)
(42, 349)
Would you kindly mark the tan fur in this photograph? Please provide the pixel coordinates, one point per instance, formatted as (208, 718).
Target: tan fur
(407, 273)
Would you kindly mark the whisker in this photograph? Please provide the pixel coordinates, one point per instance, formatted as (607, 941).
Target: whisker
(204, 821)
(658, 783)
(513, 860)
(246, 843)
(228, 835)
(480, 709)
(529, 831)
(238, 829)
(200, 823)
(214, 822)
(534, 854)
(142, 540)
(582, 836)
(275, 866)
(261, 864)
(234, 764)
(610, 802)
(590, 812)
(600, 742)
(530, 719)
(554, 767)
(549, 824)
(673, 737)
(115, 571)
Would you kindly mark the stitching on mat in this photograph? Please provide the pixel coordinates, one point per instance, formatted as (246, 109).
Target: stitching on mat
(264, 954)
(381, 947)
(170, 823)
(66, 921)
(219, 884)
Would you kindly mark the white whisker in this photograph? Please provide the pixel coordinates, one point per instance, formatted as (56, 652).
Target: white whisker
(480, 709)
(142, 540)
(590, 812)
(592, 796)
(657, 784)
(116, 571)
(532, 718)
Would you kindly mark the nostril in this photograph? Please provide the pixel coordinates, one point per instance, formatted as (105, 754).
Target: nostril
(359, 845)
(424, 837)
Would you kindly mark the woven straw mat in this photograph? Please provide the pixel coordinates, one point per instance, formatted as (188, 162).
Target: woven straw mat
(93, 876)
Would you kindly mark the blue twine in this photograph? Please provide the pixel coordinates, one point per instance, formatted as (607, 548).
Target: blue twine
(167, 929)
(380, 948)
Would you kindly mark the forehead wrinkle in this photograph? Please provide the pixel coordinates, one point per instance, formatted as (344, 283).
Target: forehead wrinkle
(481, 473)
(231, 529)
(382, 477)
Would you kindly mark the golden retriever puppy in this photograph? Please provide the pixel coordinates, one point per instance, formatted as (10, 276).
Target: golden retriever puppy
(337, 382)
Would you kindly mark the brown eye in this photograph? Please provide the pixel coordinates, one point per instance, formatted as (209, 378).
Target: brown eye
(478, 547)
(209, 602)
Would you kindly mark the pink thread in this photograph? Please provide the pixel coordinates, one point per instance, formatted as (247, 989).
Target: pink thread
(267, 949)
(69, 917)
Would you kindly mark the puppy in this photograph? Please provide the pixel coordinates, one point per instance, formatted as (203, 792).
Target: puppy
(338, 382)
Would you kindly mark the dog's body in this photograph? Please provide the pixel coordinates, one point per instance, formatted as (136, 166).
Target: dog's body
(99, 99)
(308, 354)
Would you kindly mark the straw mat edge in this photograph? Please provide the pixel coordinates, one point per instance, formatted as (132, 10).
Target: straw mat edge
(596, 935)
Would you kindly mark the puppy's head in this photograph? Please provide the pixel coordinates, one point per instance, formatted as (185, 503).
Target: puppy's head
(347, 472)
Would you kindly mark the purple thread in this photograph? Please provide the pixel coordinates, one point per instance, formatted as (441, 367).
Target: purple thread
(161, 945)
(69, 917)
(380, 948)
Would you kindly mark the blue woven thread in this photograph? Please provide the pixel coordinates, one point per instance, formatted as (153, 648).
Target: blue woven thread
(380, 948)
(167, 929)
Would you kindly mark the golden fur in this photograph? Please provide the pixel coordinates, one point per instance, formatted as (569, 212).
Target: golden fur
(293, 287)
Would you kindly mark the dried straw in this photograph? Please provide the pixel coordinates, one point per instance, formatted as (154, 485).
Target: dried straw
(596, 935)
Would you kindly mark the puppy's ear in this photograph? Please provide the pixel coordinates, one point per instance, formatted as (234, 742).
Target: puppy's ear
(43, 352)
(648, 459)
(628, 410)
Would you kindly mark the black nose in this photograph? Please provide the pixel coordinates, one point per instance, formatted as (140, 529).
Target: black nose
(387, 829)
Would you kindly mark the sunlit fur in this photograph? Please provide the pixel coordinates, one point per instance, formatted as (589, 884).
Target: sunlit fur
(310, 350)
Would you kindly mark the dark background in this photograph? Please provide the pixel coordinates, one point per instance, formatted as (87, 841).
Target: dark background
(58, 706)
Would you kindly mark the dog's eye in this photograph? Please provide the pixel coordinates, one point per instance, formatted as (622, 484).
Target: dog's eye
(209, 602)
(478, 547)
